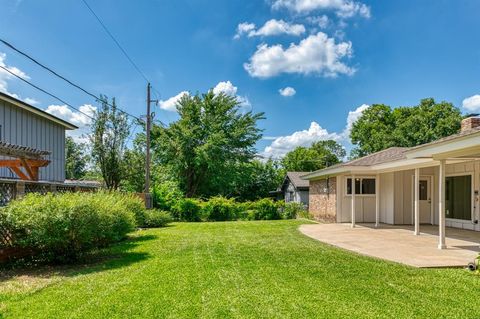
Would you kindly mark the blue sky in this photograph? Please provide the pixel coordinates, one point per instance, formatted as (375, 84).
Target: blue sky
(338, 56)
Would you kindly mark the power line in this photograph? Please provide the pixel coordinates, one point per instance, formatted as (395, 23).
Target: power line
(97, 17)
(62, 77)
(115, 40)
(44, 91)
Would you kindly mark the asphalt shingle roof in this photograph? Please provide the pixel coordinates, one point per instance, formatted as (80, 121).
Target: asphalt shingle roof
(296, 180)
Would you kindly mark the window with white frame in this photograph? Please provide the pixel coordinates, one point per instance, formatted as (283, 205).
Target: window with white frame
(363, 186)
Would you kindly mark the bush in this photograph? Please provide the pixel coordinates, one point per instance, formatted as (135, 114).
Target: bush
(137, 206)
(60, 227)
(189, 210)
(266, 209)
(157, 218)
(166, 196)
(293, 210)
(220, 209)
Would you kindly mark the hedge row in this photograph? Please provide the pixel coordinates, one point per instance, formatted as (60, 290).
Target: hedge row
(60, 227)
(223, 209)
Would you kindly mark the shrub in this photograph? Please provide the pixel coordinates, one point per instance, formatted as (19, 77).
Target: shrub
(137, 206)
(61, 227)
(189, 210)
(220, 209)
(293, 210)
(266, 209)
(157, 218)
(304, 214)
(166, 196)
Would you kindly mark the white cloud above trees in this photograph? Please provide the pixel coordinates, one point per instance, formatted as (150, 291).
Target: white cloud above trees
(317, 54)
(472, 103)
(221, 87)
(81, 119)
(281, 145)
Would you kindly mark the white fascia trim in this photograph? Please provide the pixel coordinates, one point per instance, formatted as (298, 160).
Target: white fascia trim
(462, 142)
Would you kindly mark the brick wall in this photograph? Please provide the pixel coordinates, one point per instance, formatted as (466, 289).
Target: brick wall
(323, 199)
(470, 123)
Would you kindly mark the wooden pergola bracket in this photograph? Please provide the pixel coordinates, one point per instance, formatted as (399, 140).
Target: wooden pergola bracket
(27, 160)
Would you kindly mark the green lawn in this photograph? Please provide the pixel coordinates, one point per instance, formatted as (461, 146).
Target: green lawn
(236, 270)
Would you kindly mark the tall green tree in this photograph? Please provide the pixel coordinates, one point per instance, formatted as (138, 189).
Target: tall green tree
(76, 159)
(319, 155)
(110, 130)
(257, 179)
(134, 166)
(381, 127)
(206, 145)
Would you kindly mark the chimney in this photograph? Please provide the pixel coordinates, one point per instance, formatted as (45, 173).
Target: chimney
(470, 122)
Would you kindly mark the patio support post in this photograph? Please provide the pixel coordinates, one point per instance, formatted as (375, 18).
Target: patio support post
(417, 201)
(353, 201)
(441, 206)
(377, 200)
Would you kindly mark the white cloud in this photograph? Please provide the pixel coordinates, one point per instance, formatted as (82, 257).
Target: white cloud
(171, 103)
(244, 28)
(270, 28)
(283, 144)
(343, 8)
(288, 91)
(352, 117)
(317, 54)
(31, 101)
(321, 21)
(5, 77)
(81, 119)
(225, 87)
(228, 88)
(222, 87)
(472, 103)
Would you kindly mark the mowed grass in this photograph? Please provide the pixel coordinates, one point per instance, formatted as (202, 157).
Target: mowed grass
(236, 270)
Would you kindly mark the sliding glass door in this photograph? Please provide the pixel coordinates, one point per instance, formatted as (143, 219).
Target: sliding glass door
(458, 197)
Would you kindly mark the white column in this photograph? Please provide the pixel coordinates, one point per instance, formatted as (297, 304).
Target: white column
(377, 201)
(417, 201)
(353, 201)
(441, 206)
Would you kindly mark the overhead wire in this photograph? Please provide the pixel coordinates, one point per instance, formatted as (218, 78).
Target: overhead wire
(63, 77)
(120, 47)
(45, 91)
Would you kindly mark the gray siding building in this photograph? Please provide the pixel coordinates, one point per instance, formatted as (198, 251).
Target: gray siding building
(295, 189)
(25, 125)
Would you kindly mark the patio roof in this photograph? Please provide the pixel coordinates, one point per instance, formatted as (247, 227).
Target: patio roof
(458, 147)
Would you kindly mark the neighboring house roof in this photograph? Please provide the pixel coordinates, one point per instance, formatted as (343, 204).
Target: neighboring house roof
(30, 108)
(296, 180)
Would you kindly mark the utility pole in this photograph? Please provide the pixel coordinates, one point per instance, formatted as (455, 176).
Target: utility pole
(147, 152)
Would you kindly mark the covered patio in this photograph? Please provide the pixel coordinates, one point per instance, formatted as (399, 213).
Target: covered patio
(396, 243)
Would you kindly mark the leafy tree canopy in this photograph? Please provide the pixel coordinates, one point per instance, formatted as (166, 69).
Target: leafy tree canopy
(110, 130)
(205, 148)
(319, 155)
(76, 159)
(381, 127)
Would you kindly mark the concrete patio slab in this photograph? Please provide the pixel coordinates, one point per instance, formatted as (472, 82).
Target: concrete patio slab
(399, 244)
